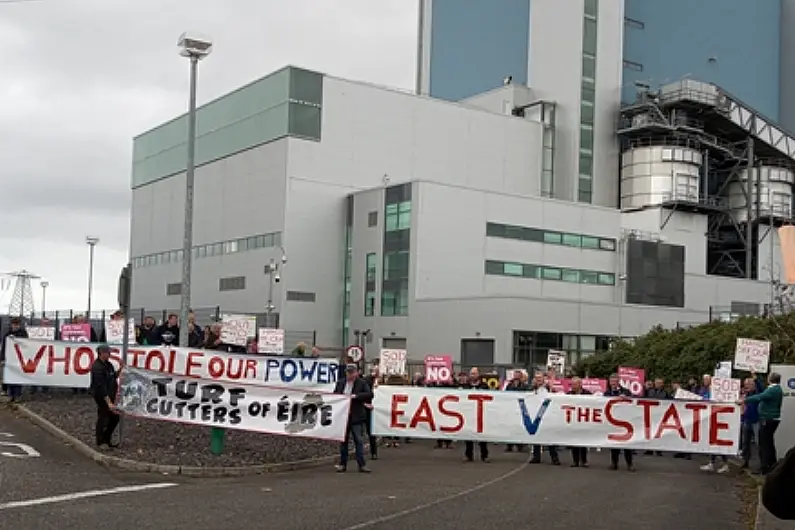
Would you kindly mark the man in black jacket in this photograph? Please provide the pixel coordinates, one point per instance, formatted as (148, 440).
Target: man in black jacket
(517, 384)
(579, 455)
(540, 386)
(104, 387)
(475, 383)
(778, 490)
(14, 391)
(614, 389)
(361, 395)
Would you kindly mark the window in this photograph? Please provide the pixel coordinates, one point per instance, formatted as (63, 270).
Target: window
(584, 195)
(299, 296)
(589, 36)
(586, 137)
(394, 303)
(369, 303)
(370, 264)
(588, 66)
(234, 283)
(541, 272)
(551, 237)
(173, 289)
(591, 7)
(372, 219)
(632, 65)
(396, 265)
(586, 164)
(398, 216)
(586, 112)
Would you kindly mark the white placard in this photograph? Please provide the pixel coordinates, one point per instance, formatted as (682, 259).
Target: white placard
(752, 355)
(556, 360)
(41, 332)
(725, 390)
(270, 341)
(238, 329)
(114, 331)
(392, 362)
(723, 370)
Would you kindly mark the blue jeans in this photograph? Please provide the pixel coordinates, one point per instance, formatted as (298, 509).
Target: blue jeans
(357, 432)
(748, 433)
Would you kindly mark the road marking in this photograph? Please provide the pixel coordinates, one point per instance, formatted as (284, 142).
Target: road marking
(84, 495)
(425, 506)
(28, 451)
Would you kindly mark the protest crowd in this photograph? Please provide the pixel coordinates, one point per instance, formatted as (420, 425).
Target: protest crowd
(378, 404)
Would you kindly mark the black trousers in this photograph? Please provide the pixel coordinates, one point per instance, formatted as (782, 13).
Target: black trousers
(615, 453)
(469, 450)
(107, 422)
(372, 439)
(552, 449)
(767, 444)
(579, 455)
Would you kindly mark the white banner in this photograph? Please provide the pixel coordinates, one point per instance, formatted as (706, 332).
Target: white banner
(41, 332)
(752, 355)
(114, 331)
(232, 405)
(68, 364)
(557, 419)
(237, 329)
(687, 395)
(270, 341)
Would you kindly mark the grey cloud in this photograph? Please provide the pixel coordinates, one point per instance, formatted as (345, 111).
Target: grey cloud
(82, 77)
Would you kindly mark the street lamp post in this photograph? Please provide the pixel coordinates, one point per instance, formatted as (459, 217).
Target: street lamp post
(92, 243)
(195, 48)
(272, 270)
(44, 286)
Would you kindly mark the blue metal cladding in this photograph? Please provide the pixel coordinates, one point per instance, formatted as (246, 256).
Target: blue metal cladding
(475, 44)
(732, 43)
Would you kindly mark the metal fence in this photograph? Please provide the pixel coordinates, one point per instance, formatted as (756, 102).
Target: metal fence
(204, 317)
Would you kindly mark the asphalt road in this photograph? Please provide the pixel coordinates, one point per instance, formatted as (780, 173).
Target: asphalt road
(414, 486)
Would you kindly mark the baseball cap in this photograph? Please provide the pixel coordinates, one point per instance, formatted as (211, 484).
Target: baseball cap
(103, 348)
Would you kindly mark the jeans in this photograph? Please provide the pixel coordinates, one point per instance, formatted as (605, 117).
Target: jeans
(553, 452)
(107, 422)
(357, 432)
(767, 444)
(714, 458)
(14, 391)
(748, 433)
(469, 450)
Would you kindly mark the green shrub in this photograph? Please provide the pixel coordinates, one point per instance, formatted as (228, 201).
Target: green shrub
(679, 354)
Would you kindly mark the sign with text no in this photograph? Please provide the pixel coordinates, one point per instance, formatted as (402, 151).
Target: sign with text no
(438, 368)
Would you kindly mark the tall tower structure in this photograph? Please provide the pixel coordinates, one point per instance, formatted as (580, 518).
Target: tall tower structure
(22, 303)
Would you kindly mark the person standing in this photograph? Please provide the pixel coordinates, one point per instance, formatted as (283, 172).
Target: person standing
(14, 391)
(769, 418)
(517, 384)
(541, 387)
(104, 388)
(749, 430)
(614, 389)
(579, 455)
(656, 391)
(361, 395)
(475, 382)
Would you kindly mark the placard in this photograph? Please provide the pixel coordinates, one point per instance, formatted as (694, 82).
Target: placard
(556, 361)
(238, 329)
(114, 331)
(725, 390)
(681, 393)
(76, 332)
(41, 332)
(392, 362)
(723, 369)
(633, 379)
(271, 341)
(438, 368)
(752, 355)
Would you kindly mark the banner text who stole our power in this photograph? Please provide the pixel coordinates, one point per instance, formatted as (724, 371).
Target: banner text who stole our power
(69, 364)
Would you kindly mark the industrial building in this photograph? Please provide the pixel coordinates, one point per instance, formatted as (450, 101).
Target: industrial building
(493, 228)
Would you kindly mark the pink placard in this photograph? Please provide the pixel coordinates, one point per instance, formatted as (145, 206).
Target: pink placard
(438, 368)
(594, 386)
(76, 332)
(632, 379)
(560, 385)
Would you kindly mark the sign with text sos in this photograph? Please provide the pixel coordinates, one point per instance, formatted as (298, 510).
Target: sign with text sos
(392, 362)
(438, 368)
(725, 390)
(633, 379)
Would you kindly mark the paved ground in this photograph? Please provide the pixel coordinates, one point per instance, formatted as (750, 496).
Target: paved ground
(414, 486)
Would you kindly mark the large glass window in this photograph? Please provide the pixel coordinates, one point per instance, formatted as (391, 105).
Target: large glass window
(398, 216)
(551, 237)
(369, 284)
(543, 272)
(397, 245)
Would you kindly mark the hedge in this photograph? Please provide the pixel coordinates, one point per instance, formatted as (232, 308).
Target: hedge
(679, 354)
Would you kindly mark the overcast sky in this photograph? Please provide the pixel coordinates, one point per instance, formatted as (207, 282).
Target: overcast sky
(80, 78)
